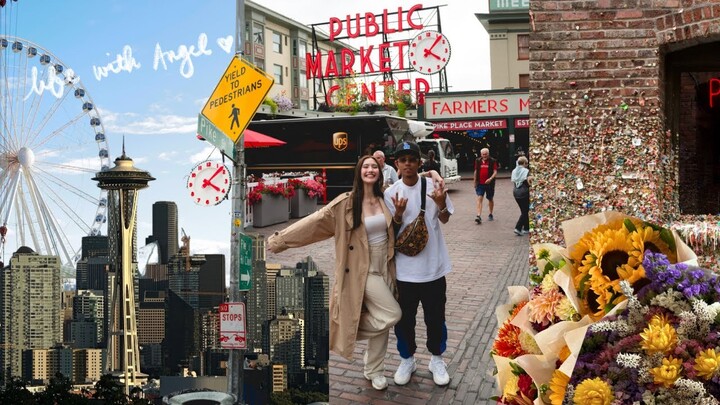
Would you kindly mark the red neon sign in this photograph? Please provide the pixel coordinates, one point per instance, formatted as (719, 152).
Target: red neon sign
(714, 90)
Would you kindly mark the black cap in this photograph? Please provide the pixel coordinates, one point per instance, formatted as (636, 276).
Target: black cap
(407, 148)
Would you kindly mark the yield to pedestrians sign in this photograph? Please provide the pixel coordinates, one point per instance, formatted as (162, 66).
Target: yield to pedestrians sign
(242, 88)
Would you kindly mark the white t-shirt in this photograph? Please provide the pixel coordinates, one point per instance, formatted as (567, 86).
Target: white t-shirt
(390, 175)
(433, 262)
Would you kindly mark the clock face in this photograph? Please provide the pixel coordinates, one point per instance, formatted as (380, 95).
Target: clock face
(429, 52)
(209, 183)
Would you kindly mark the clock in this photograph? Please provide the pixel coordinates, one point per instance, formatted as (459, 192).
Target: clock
(209, 183)
(429, 52)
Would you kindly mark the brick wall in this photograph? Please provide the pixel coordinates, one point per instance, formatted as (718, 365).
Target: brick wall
(599, 138)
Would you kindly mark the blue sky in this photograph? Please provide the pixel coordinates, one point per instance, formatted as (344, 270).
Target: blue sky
(155, 105)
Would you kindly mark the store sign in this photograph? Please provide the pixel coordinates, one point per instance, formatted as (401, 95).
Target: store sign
(714, 91)
(470, 125)
(522, 123)
(371, 59)
(509, 5)
(477, 106)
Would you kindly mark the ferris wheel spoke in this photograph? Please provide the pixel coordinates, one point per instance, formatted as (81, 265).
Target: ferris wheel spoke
(34, 108)
(55, 239)
(9, 192)
(59, 201)
(66, 167)
(34, 145)
(69, 187)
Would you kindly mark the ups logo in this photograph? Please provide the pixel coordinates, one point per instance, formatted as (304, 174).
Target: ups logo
(340, 141)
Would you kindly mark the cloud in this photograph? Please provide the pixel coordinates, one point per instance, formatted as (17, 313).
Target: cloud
(137, 124)
(167, 155)
(208, 153)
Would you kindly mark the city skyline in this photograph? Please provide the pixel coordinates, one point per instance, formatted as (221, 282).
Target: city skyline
(144, 91)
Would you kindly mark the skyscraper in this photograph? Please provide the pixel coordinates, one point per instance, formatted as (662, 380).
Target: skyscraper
(257, 298)
(317, 321)
(165, 229)
(30, 307)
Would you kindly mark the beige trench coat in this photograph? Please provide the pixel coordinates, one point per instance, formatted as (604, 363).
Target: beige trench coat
(352, 261)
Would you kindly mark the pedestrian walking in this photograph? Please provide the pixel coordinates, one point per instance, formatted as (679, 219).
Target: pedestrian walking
(430, 163)
(521, 192)
(420, 278)
(484, 173)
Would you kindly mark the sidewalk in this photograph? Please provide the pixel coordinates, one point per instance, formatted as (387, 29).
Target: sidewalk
(486, 259)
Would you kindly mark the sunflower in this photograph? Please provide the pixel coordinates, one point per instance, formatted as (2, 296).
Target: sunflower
(647, 238)
(558, 385)
(613, 263)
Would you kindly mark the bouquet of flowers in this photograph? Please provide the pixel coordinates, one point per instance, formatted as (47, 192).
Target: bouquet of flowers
(313, 188)
(664, 348)
(283, 103)
(543, 328)
(255, 195)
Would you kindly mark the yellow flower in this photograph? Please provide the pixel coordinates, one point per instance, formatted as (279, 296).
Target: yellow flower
(558, 384)
(659, 336)
(593, 392)
(707, 363)
(511, 387)
(564, 353)
(646, 238)
(668, 372)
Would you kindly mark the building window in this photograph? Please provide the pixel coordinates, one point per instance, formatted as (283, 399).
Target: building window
(523, 46)
(302, 49)
(524, 81)
(303, 80)
(278, 73)
(304, 105)
(260, 64)
(277, 42)
(258, 36)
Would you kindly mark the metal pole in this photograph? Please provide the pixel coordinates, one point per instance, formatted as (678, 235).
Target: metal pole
(235, 361)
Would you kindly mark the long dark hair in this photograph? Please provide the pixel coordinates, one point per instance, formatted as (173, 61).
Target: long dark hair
(358, 190)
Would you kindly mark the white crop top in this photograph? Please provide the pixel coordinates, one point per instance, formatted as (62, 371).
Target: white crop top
(376, 229)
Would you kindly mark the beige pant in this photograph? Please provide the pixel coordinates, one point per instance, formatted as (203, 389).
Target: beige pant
(383, 312)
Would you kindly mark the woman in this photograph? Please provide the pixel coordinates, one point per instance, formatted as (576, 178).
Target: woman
(521, 192)
(362, 303)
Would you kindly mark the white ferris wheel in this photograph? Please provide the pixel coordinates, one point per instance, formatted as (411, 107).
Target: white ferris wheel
(52, 142)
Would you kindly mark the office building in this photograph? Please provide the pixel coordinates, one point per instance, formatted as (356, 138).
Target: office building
(257, 298)
(30, 307)
(165, 229)
(287, 339)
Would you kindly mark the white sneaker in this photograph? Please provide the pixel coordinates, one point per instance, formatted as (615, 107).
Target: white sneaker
(405, 370)
(438, 370)
(378, 382)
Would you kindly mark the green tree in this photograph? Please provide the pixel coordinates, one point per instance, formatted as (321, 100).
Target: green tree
(58, 392)
(110, 390)
(15, 392)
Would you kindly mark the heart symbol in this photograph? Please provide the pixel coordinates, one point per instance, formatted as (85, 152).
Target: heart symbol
(225, 43)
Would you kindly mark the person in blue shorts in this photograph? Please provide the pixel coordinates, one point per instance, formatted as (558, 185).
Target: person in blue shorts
(484, 182)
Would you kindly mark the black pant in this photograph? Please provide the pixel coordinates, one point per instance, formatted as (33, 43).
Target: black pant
(524, 221)
(432, 296)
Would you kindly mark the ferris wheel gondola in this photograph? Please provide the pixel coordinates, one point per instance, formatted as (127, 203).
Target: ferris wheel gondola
(52, 142)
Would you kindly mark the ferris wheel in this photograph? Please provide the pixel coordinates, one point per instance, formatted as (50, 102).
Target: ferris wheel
(52, 142)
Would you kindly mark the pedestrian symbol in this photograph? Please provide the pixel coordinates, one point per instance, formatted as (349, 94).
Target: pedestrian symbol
(241, 89)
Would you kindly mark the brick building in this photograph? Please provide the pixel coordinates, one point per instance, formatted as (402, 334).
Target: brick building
(624, 100)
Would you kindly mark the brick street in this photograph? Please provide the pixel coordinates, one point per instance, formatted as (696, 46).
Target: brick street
(486, 259)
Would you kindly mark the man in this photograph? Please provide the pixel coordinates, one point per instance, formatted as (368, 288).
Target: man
(420, 278)
(484, 182)
(389, 174)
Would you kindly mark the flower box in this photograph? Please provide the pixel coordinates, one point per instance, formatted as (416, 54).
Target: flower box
(302, 205)
(272, 209)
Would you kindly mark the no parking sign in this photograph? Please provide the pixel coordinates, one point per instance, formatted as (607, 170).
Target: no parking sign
(232, 325)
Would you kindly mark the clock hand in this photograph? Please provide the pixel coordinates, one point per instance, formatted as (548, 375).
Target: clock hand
(427, 52)
(218, 171)
(207, 182)
(434, 43)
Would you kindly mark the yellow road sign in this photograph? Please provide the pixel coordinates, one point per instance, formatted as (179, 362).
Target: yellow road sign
(242, 88)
